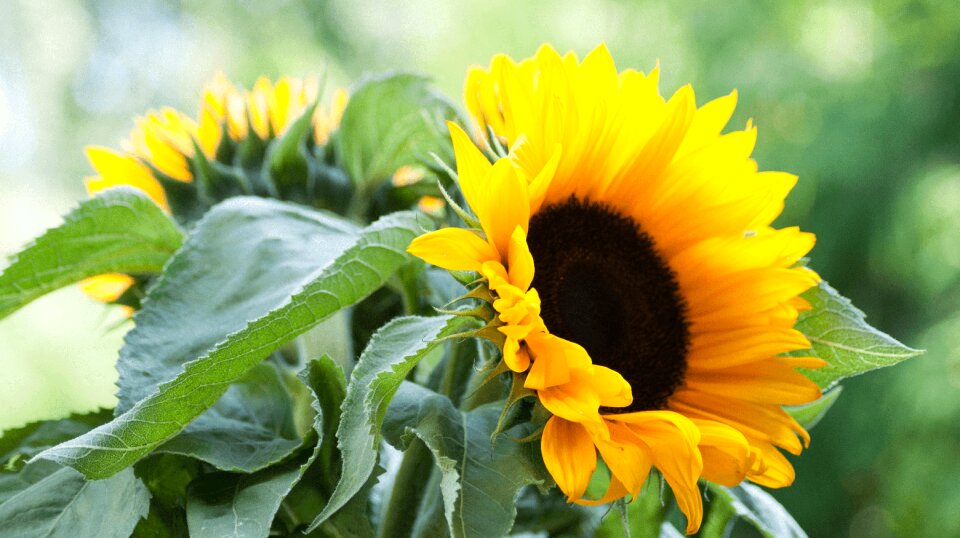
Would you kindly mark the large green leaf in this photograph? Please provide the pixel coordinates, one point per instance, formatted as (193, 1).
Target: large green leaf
(482, 478)
(245, 258)
(378, 252)
(119, 231)
(238, 505)
(65, 504)
(392, 120)
(753, 506)
(841, 336)
(392, 352)
(249, 428)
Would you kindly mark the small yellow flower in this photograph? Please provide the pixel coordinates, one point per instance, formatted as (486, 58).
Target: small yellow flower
(640, 286)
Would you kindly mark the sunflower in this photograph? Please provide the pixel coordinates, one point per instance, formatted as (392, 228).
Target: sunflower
(640, 289)
(165, 145)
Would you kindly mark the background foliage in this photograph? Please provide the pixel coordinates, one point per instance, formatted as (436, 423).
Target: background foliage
(859, 98)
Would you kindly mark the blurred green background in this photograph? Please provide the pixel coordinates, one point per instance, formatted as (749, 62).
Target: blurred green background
(858, 98)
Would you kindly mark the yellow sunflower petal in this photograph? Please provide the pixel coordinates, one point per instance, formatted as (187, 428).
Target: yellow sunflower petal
(708, 122)
(765, 422)
(771, 381)
(116, 169)
(520, 261)
(615, 490)
(628, 462)
(671, 440)
(454, 249)
(258, 105)
(576, 400)
(108, 287)
(611, 387)
(569, 455)
(472, 167)
(778, 472)
(557, 357)
(505, 206)
(517, 358)
(726, 453)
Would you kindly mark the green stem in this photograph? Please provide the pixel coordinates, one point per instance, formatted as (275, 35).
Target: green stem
(408, 491)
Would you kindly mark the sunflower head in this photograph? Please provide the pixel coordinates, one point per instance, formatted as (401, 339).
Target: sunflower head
(269, 141)
(636, 278)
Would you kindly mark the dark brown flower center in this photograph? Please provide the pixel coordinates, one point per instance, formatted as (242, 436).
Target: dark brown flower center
(604, 286)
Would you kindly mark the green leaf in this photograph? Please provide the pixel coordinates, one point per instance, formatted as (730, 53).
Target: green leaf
(841, 336)
(393, 351)
(378, 252)
(481, 478)
(249, 428)
(65, 504)
(237, 505)
(119, 231)
(808, 415)
(245, 258)
(752, 505)
(19, 444)
(390, 121)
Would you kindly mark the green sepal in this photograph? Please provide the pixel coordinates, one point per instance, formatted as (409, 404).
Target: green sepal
(286, 163)
(218, 182)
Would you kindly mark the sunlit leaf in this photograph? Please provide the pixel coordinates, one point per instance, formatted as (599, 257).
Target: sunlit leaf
(841, 336)
(119, 231)
(377, 253)
(247, 257)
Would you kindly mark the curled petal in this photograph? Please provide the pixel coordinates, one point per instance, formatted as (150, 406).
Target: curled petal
(727, 457)
(520, 260)
(569, 455)
(671, 440)
(575, 401)
(613, 389)
(515, 356)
